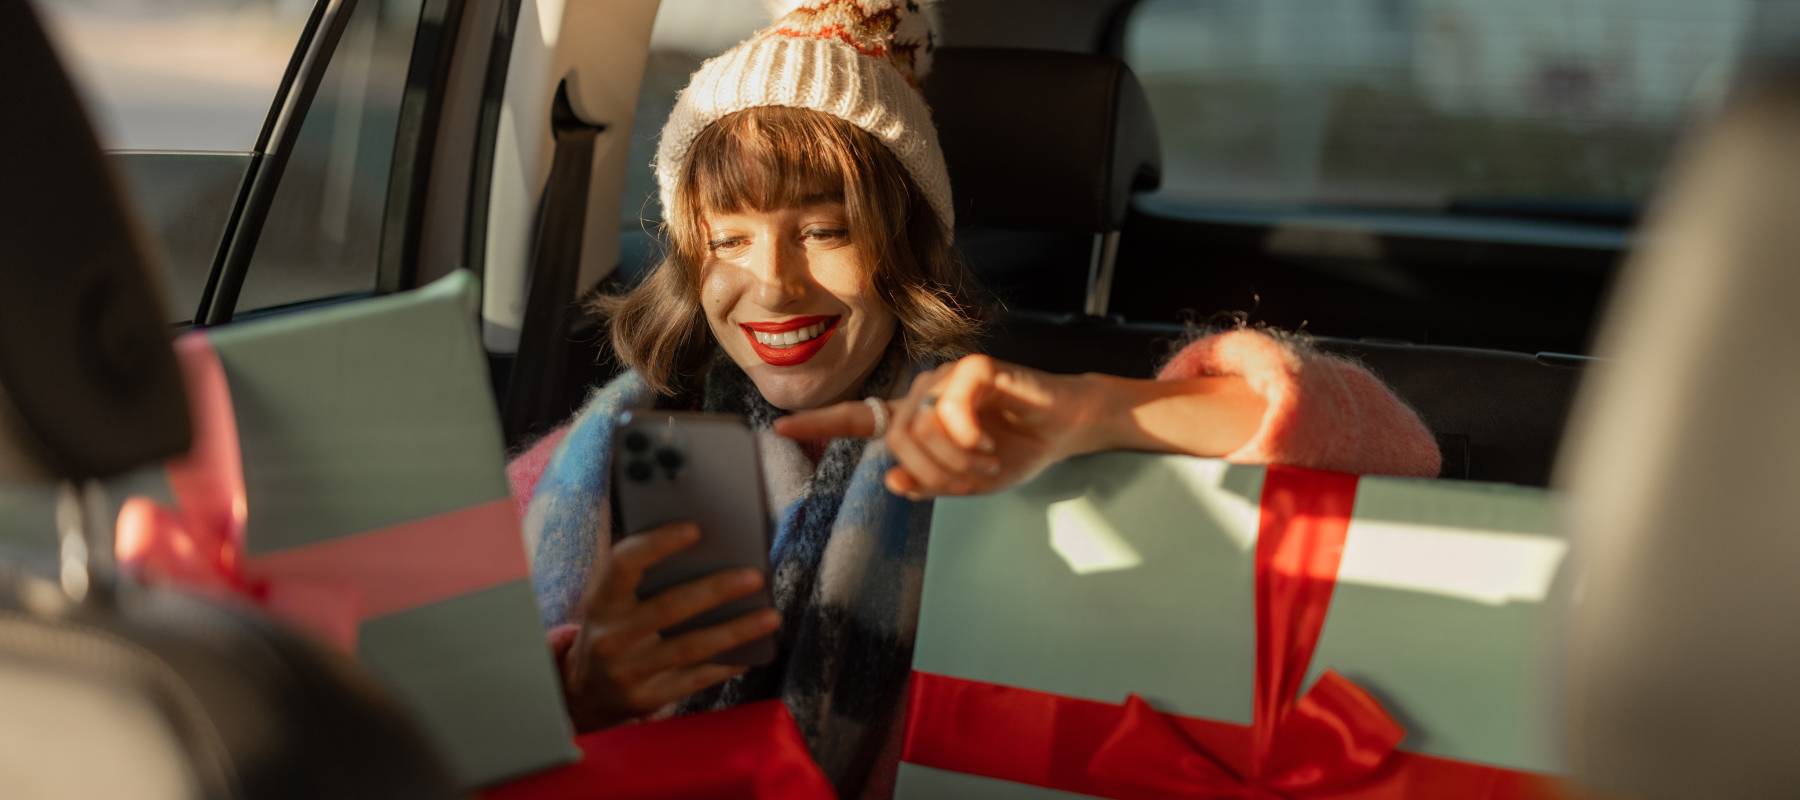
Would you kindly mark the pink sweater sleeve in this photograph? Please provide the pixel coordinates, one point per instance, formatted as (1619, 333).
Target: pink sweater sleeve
(525, 469)
(1324, 412)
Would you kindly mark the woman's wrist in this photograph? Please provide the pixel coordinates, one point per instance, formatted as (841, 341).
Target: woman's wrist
(1097, 403)
(1208, 416)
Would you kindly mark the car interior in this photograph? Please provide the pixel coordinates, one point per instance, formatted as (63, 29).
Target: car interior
(1089, 270)
(513, 146)
(517, 135)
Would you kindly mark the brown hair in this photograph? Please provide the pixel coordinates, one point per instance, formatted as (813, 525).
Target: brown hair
(771, 157)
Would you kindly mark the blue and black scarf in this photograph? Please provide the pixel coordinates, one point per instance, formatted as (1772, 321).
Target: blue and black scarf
(848, 559)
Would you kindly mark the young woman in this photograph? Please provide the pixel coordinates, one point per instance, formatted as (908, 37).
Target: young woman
(811, 270)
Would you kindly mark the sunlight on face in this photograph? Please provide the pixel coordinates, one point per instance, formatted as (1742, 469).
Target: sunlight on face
(789, 297)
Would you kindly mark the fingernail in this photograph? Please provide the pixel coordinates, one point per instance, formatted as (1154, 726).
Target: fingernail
(749, 579)
(990, 468)
(769, 621)
(986, 445)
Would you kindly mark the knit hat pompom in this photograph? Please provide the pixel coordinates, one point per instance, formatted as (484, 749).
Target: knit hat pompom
(858, 60)
(902, 31)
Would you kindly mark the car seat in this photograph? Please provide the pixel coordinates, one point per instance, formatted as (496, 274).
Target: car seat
(114, 689)
(1045, 149)
(1681, 476)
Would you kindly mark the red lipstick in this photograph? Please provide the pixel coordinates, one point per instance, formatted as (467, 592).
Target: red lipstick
(794, 354)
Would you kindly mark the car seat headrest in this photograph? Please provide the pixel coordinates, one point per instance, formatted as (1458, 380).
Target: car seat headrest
(1681, 466)
(88, 385)
(1042, 139)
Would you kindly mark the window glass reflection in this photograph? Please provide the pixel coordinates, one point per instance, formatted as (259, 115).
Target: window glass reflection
(1434, 103)
(323, 233)
(177, 74)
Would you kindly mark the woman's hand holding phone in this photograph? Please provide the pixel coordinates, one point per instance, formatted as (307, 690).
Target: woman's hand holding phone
(620, 667)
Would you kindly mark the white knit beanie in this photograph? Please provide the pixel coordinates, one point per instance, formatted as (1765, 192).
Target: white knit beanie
(858, 60)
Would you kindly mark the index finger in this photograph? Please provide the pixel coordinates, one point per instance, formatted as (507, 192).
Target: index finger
(959, 404)
(636, 553)
(844, 419)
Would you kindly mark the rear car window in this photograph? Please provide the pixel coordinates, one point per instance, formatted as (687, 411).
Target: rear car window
(178, 91)
(1565, 107)
(323, 233)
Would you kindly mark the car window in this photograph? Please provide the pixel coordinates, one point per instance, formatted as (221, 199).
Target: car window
(686, 33)
(322, 235)
(178, 91)
(1437, 104)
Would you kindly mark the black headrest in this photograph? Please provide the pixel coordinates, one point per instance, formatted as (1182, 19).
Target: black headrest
(1041, 138)
(88, 386)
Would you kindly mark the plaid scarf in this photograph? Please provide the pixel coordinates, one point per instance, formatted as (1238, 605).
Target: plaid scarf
(847, 560)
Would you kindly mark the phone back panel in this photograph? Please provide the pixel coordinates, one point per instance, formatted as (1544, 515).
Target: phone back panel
(701, 468)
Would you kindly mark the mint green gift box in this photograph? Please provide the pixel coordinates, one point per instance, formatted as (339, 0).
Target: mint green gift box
(1126, 573)
(378, 413)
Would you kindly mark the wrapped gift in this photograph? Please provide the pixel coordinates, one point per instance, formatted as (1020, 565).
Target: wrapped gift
(752, 751)
(347, 475)
(1154, 626)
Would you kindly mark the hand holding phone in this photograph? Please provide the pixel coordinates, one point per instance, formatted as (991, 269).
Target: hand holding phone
(620, 667)
(700, 468)
(681, 604)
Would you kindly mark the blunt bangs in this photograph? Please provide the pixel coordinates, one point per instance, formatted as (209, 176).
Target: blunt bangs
(774, 159)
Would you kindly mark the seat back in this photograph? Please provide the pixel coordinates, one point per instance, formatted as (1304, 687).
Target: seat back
(1497, 416)
(1684, 460)
(1042, 187)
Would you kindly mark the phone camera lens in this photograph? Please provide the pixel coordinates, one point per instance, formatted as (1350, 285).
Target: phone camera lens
(638, 471)
(670, 459)
(637, 442)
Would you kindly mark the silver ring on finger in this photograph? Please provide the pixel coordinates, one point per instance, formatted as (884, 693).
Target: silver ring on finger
(878, 407)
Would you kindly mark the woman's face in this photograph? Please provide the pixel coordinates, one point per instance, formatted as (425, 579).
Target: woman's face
(790, 297)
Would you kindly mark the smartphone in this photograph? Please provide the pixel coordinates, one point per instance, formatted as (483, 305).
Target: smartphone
(673, 466)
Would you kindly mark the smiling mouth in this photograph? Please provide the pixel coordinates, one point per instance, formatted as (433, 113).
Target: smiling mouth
(790, 342)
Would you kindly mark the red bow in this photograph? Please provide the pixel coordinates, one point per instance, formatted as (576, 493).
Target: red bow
(1334, 737)
(200, 544)
(328, 588)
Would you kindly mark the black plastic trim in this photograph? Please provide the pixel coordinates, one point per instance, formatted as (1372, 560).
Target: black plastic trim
(265, 178)
(421, 108)
(263, 136)
(481, 179)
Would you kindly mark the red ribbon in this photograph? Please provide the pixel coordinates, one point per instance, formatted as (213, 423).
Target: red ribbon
(748, 751)
(328, 588)
(1335, 741)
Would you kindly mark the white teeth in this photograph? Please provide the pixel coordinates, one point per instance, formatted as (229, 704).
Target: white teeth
(790, 338)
